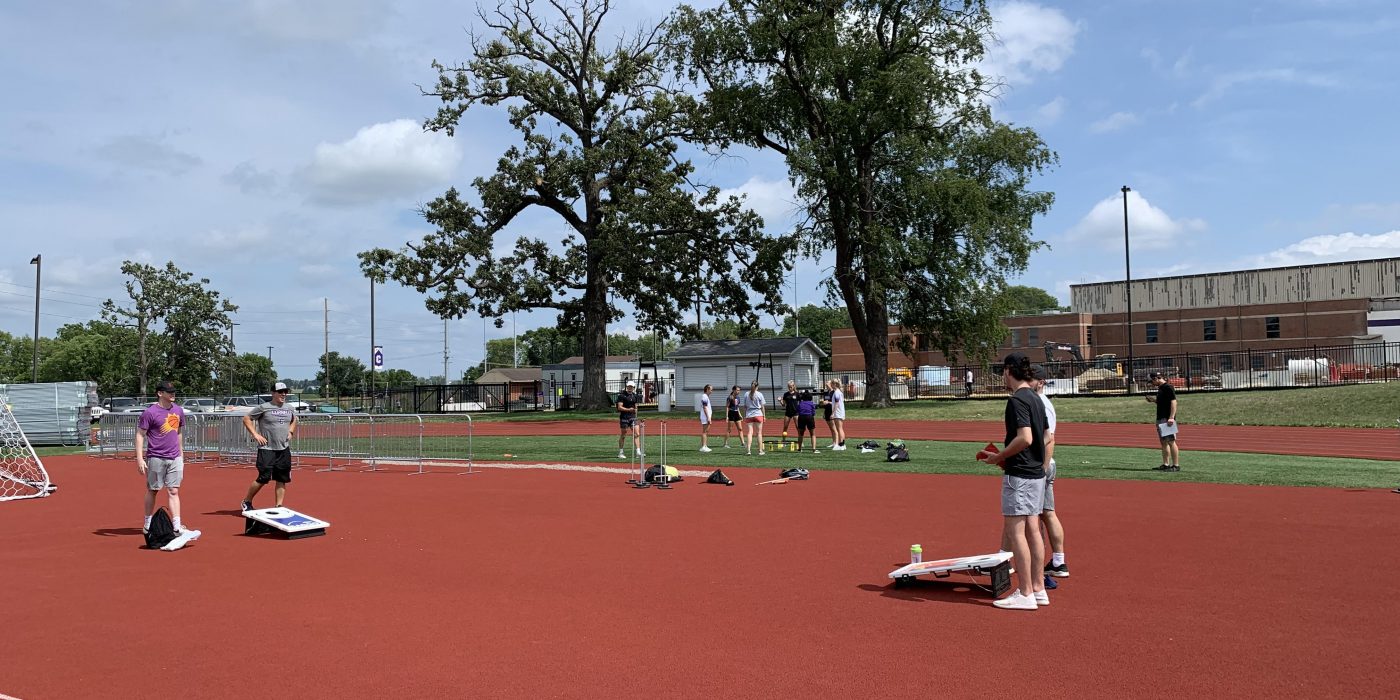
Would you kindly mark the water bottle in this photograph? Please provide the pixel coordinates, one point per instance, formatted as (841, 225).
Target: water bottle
(916, 554)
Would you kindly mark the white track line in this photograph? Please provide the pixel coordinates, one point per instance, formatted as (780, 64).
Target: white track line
(552, 467)
(7, 697)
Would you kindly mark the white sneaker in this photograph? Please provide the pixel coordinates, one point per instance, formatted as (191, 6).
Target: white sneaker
(761, 452)
(641, 454)
(1016, 601)
(621, 454)
(816, 452)
(1042, 598)
(704, 448)
(839, 448)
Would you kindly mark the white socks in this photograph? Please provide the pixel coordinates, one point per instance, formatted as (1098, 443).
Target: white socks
(147, 524)
(1057, 559)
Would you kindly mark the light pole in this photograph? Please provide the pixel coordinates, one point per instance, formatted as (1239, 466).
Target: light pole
(38, 263)
(232, 357)
(1128, 284)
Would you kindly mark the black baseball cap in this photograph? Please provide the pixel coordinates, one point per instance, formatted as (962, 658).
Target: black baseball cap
(1038, 373)
(1155, 375)
(167, 387)
(1015, 359)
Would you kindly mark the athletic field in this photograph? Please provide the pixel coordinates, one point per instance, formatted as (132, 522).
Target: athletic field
(534, 582)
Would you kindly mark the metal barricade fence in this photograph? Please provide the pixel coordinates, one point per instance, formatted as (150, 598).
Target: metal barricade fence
(331, 442)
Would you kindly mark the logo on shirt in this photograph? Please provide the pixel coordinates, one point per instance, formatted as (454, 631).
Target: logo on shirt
(172, 423)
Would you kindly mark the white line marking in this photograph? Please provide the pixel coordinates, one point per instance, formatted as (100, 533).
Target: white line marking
(552, 467)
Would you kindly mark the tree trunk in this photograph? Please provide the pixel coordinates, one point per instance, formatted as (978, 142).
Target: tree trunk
(874, 339)
(141, 358)
(595, 338)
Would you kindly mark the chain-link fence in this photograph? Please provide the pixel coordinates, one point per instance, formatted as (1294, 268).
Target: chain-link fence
(413, 443)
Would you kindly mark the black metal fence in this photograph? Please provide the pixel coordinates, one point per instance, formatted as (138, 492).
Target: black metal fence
(1240, 370)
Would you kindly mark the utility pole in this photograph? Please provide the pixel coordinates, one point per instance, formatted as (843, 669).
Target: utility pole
(1128, 285)
(38, 263)
(444, 351)
(269, 353)
(515, 344)
(796, 325)
(326, 351)
(372, 346)
(232, 357)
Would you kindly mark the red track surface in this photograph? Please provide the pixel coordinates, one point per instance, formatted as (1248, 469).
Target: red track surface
(1361, 443)
(525, 584)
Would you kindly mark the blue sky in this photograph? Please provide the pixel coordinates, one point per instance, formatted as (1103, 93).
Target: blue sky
(262, 144)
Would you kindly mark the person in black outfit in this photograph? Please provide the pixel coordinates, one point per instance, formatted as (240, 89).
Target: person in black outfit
(789, 407)
(1022, 461)
(1165, 398)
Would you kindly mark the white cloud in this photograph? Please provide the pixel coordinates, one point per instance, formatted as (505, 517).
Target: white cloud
(1226, 82)
(1149, 228)
(774, 200)
(1332, 248)
(1115, 122)
(1029, 39)
(383, 161)
(249, 180)
(135, 151)
(1052, 111)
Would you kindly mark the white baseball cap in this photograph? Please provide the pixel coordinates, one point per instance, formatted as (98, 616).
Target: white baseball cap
(631, 383)
(280, 386)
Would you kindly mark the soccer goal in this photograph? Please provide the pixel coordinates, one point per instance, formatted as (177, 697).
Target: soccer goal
(22, 475)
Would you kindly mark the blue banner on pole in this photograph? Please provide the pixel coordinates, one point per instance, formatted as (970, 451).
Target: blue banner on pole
(379, 357)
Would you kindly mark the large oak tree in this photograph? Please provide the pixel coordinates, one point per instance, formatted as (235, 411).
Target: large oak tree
(598, 140)
(882, 117)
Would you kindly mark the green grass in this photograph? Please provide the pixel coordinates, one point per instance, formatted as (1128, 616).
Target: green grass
(930, 457)
(1350, 406)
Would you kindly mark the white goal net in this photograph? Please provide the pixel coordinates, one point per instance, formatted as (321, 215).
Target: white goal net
(22, 475)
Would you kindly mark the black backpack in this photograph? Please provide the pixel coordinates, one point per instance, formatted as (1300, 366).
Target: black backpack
(797, 473)
(161, 530)
(896, 452)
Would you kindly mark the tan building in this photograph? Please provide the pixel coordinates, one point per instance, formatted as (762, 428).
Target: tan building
(1328, 305)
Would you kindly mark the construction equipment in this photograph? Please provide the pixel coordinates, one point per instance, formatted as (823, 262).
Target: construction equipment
(1051, 346)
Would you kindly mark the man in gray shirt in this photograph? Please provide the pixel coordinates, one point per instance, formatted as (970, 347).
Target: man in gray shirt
(276, 422)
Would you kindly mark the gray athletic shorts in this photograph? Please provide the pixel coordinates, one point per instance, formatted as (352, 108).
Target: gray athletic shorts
(1022, 496)
(162, 473)
(1050, 486)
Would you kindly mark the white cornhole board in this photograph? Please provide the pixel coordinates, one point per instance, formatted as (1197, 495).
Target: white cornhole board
(995, 565)
(185, 538)
(285, 521)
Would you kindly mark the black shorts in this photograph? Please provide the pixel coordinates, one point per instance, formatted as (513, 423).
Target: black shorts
(807, 424)
(735, 417)
(790, 414)
(275, 465)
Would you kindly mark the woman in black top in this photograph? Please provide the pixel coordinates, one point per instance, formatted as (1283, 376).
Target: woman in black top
(732, 416)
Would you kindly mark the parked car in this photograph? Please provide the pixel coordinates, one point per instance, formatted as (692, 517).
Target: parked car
(293, 400)
(124, 404)
(328, 408)
(241, 405)
(202, 405)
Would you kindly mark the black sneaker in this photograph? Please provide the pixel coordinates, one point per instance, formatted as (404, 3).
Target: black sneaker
(1162, 468)
(247, 506)
(1171, 468)
(1061, 571)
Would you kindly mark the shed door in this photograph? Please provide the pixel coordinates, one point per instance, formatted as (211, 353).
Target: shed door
(802, 374)
(696, 378)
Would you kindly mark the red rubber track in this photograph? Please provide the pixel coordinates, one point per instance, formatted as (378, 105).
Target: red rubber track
(1359, 443)
(528, 584)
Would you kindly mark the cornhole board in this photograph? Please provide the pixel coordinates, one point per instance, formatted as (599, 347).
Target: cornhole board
(185, 538)
(282, 521)
(997, 565)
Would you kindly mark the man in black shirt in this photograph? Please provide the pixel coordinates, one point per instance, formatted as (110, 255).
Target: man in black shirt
(1166, 422)
(627, 420)
(1023, 484)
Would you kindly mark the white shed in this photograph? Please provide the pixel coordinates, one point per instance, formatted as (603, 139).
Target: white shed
(724, 363)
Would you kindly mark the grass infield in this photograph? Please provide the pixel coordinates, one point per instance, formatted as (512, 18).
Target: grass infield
(931, 457)
(1354, 406)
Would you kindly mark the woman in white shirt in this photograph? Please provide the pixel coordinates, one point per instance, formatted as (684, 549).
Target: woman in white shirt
(838, 416)
(753, 418)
